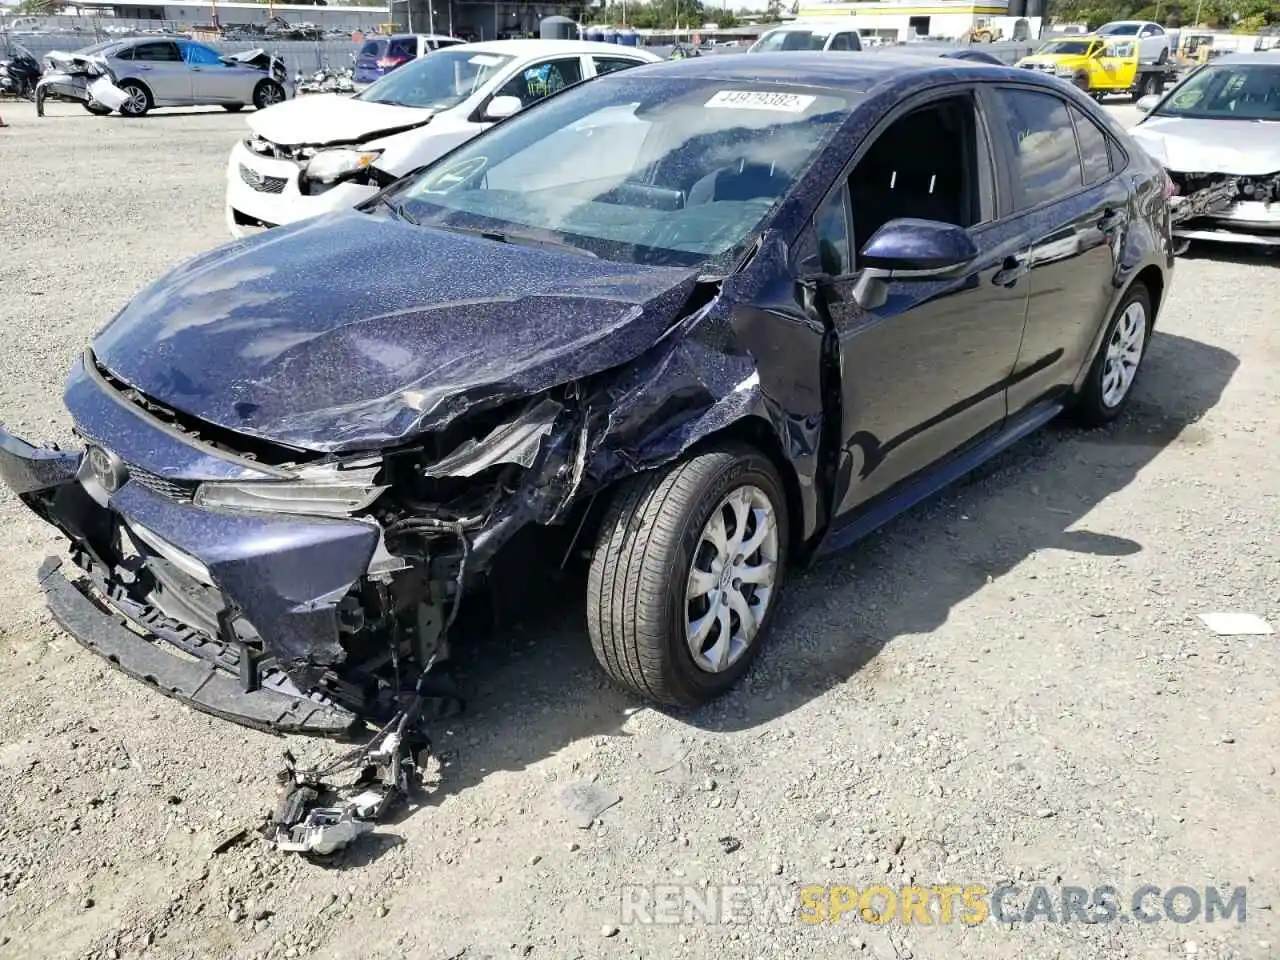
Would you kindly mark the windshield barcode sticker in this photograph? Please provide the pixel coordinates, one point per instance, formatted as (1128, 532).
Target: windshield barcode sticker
(759, 100)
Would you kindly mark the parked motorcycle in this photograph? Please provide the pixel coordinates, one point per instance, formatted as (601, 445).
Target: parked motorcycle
(19, 71)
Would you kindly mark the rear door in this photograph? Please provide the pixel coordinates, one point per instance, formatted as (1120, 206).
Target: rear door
(159, 64)
(1062, 183)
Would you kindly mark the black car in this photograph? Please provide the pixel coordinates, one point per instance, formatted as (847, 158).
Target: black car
(790, 296)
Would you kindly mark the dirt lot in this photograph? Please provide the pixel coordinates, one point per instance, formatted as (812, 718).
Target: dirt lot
(1009, 684)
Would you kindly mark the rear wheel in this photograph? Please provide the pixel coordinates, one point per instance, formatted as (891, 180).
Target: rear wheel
(1115, 369)
(139, 101)
(267, 93)
(686, 573)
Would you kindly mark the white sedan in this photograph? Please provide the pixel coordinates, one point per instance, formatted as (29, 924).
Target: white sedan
(1153, 41)
(318, 154)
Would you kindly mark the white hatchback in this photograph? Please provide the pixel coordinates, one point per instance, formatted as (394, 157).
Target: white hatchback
(324, 153)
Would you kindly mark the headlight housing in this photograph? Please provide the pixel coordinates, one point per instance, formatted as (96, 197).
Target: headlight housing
(330, 166)
(323, 492)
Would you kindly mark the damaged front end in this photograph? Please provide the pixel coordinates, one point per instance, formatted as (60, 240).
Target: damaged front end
(306, 592)
(1225, 208)
(289, 596)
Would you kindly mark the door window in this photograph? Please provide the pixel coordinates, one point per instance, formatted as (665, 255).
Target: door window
(840, 42)
(613, 64)
(200, 56)
(162, 52)
(542, 79)
(1095, 149)
(405, 48)
(1038, 131)
(924, 165)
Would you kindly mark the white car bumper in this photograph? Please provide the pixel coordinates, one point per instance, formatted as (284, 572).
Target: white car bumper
(267, 191)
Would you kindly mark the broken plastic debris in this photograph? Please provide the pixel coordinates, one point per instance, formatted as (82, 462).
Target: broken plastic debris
(585, 801)
(325, 830)
(1236, 624)
(666, 753)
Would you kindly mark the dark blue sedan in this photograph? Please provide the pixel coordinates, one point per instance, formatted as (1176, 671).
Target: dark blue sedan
(707, 319)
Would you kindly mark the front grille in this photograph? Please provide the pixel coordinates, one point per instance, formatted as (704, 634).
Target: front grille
(261, 183)
(182, 491)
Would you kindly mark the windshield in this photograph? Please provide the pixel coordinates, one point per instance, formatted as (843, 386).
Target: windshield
(440, 81)
(1075, 48)
(655, 171)
(1227, 92)
(1119, 29)
(790, 40)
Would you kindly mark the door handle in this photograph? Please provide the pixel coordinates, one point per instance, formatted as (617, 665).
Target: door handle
(1011, 271)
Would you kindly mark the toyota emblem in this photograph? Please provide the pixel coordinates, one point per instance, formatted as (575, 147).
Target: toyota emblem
(105, 467)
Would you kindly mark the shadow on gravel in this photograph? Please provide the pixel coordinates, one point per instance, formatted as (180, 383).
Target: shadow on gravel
(1249, 256)
(535, 688)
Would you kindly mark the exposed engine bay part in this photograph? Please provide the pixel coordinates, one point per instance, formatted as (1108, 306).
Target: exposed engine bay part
(1226, 208)
(389, 766)
(1204, 201)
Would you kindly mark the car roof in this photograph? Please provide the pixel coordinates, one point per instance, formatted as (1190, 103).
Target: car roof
(534, 48)
(405, 36)
(830, 68)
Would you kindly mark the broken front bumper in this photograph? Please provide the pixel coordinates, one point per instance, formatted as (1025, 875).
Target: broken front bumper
(1218, 213)
(235, 615)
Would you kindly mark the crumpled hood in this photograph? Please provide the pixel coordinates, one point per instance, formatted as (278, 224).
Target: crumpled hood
(1246, 148)
(350, 331)
(332, 118)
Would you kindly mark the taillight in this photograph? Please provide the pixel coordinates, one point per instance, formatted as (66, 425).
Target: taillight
(1170, 188)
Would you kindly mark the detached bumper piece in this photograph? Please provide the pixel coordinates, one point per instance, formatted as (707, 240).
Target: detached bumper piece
(197, 683)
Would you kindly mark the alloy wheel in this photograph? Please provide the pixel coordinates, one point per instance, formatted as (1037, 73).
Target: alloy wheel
(1124, 353)
(731, 580)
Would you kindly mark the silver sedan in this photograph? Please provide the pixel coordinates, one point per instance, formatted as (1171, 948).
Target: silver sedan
(152, 72)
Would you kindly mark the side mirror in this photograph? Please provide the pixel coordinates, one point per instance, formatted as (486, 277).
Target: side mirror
(502, 107)
(909, 249)
(1148, 103)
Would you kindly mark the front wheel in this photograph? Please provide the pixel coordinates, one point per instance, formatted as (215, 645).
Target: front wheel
(1115, 368)
(686, 573)
(267, 93)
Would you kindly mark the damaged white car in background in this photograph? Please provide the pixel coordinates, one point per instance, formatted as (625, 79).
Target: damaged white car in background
(1218, 135)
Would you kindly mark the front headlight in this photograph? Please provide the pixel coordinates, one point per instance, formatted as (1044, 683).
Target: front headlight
(328, 166)
(324, 492)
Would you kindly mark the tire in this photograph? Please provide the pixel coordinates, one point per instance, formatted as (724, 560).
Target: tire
(266, 94)
(97, 109)
(140, 101)
(1097, 404)
(233, 107)
(654, 531)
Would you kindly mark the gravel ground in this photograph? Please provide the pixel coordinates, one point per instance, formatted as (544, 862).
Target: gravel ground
(1008, 684)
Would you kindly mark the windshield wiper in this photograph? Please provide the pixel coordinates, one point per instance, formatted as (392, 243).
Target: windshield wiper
(398, 211)
(520, 240)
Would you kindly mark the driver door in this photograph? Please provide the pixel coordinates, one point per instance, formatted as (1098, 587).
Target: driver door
(924, 373)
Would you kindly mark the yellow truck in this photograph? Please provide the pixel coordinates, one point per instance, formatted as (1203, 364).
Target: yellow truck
(1101, 65)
